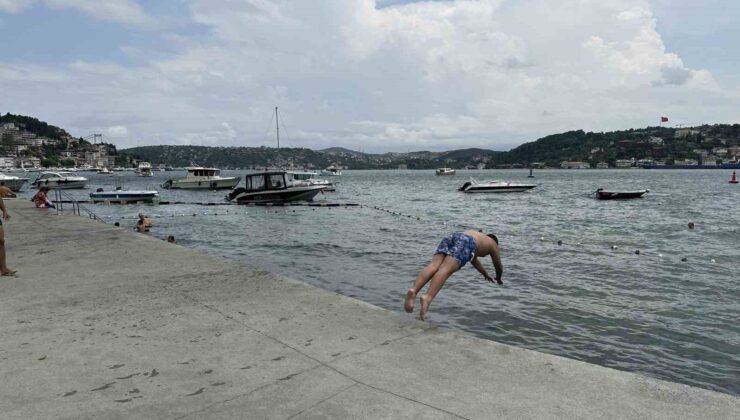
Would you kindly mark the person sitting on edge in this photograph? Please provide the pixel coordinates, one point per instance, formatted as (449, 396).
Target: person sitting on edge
(455, 250)
(6, 192)
(171, 239)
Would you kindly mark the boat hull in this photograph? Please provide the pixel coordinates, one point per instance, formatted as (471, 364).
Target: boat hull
(480, 190)
(61, 185)
(278, 196)
(125, 197)
(15, 184)
(617, 195)
(217, 184)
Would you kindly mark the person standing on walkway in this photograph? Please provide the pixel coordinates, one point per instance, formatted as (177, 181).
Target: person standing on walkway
(455, 250)
(4, 270)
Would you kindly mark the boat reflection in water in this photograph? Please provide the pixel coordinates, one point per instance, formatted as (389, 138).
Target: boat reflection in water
(273, 187)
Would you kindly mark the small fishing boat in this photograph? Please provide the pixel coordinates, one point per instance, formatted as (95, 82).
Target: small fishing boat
(273, 187)
(13, 182)
(444, 171)
(200, 178)
(60, 180)
(474, 186)
(124, 197)
(602, 194)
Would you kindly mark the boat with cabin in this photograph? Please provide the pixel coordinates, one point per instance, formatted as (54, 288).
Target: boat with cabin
(475, 186)
(200, 178)
(273, 187)
(312, 178)
(60, 180)
(15, 183)
(144, 169)
(602, 194)
(331, 171)
(444, 171)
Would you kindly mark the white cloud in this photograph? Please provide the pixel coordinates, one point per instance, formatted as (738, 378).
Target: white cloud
(423, 75)
(122, 11)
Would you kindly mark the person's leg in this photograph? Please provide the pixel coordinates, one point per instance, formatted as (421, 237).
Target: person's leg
(3, 268)
(449, 266)
(421, 280)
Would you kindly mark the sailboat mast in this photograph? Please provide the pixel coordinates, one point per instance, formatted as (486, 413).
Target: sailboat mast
(277, 126)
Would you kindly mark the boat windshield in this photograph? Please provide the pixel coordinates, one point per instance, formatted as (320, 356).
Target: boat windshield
(303, 176)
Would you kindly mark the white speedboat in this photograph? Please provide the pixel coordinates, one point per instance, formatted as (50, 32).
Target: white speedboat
(273, 187)
(60, 180)
(445, 171)
(199, 178)
(331, 171)
(124, 196)
(144, 169)
(311, 178)
(474, 186)
(105, 171)
(13, 182)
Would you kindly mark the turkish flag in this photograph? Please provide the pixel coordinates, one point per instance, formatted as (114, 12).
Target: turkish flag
(663, 119)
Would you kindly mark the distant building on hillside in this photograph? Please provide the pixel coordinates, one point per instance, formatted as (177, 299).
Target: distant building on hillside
(624, 163)
(602, 165)
(574, 165)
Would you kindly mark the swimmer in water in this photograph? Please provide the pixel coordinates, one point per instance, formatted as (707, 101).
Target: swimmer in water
(455, 250)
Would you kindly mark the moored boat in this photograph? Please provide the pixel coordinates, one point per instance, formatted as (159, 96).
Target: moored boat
(602, 194)
(200, 178)
(13, 182)
(474, 186)
(124, 196)
(444, 171)
(60, 180)
(273, 187)
(144, 169)
(331, 171)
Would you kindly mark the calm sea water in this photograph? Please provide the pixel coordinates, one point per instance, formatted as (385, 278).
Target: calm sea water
(650, 313)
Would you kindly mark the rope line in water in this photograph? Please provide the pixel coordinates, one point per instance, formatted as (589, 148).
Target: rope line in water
(659, 257)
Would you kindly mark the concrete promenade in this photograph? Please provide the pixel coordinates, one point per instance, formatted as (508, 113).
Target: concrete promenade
(102, 322)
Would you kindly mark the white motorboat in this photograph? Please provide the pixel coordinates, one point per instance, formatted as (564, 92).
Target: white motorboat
(105, 171)
(120, 196)
(273, 187)
(311, 178)
(13, 182)
(200, 178)
(331, 171)
(144, 169)
(474, 186)
(445, 171)
(60, 180)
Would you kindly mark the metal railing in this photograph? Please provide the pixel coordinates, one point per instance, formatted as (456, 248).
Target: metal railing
(61, 198)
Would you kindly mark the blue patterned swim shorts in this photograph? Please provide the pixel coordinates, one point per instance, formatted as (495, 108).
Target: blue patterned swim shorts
(459, 246)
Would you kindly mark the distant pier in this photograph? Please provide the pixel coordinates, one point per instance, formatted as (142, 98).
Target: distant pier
(105, 323)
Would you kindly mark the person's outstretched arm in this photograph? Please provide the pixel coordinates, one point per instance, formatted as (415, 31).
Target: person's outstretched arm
(478, 266)
(496, 258)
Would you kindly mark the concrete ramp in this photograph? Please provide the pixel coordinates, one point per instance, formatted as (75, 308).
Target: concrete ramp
(102, 322)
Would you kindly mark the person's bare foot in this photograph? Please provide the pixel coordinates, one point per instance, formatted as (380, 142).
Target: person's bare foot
(408, 304)
(424, 300)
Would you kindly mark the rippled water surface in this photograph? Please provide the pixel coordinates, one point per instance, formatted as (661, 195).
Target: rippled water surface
(646, 313)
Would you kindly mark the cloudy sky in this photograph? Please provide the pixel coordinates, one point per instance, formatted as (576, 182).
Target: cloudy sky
(371, 75)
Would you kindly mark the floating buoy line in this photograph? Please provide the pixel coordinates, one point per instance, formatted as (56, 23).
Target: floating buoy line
(453, 225)
(560, 243)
